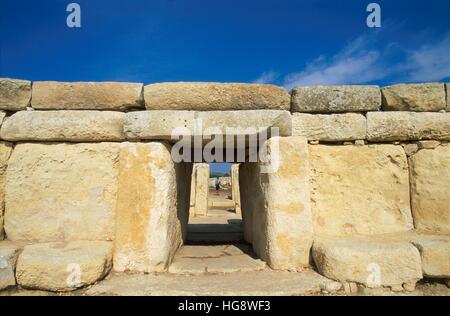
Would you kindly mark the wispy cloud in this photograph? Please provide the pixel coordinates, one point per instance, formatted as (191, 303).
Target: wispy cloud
(267, 77)
(361, 62)
(429, 62)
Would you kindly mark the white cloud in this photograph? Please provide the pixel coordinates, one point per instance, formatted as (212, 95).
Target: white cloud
(266, 77)
(361, 62)
(429, 62)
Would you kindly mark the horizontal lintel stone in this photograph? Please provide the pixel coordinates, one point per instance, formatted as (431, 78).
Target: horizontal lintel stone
(64, 126)
(336, 99)
(404, 126)
(15, 95)
(329, 128)
(50, 95)
(210, 96)
(423, 97)
(161, 125)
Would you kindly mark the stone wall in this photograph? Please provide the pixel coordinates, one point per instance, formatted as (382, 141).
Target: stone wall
(86, 171)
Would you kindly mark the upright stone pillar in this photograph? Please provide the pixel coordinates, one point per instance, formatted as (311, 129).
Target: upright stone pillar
(148, 219)
(235, 188)
(282, 228)
(201, 189)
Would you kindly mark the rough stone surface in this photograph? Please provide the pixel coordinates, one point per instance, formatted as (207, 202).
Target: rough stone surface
(5, 153)
(236, 195)
(424, 97)
(329, 128)
(148, 225)
(428, 144)
(282, 229)
(49, 95)
(162, 125)
(61, 192)
(251, 196)
(411, 149)
(8, 259)
(430, 187)
(404, 126)
(2, 117)
(359, 189)
(335, 99)
(209, 96)
(70, 126)
(447, 91)
(435, 253)
(368, 261)
(63, 266)
(255, 283)
(15, 94)
(214, 259)
(200, 175)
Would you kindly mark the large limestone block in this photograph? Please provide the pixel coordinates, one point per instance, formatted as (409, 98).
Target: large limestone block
(435, 253)
(336, 99)
(285, 220)
(236, 195)
(167, 125)
(370, 261)
(359, 189)
(148, 229)
(210, 96)
(61, 192)
(424, 97)
(64, 126)
(8, 259)
(62, 267)
(49, 95)
(430, 187)
(251, 197)
(329, 128)
(2, 117)
(15, 95)
(201, 174)
(404, 126)
(5, 153)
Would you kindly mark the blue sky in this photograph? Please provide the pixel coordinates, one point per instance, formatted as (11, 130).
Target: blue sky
(286, 42)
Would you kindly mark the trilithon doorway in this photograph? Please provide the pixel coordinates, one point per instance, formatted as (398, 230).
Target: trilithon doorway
(215, 234)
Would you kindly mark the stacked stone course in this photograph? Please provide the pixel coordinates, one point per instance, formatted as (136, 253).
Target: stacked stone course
(86, 176)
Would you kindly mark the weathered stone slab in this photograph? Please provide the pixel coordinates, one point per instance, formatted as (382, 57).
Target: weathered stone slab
(235, 193)
(336, 99)
(201, 176)
(251, 196)
(50, 95)
(5, 153)
(2, 117)
(359, 190)
(148, 229)
(423, 97)
(61, 192)
(15, 95)
(430, 187)
(8, 259)
(63, 267)
(435, 253)
(329, 128)
(404, 126)
(368, 261)
(64, 126)
(210, 96)
(162, 125)
(282, 229)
